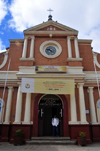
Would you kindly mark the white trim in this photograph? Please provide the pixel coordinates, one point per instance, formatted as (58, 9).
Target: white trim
(11, 75)
(95, 59)
(5, 59)
(27, 59)
(74, 59)
(50, 43)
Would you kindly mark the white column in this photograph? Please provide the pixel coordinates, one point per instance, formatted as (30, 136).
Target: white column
(18, 107)
(76, 47)
(73, 110)
(24, 48)
(82, 104)
(92, 106)
(8, 106)
(69, 48)
(32, 47)
(27, 109)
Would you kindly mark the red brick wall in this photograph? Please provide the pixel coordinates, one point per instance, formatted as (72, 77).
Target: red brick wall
(86, 54)
(87, 104)
(28, 48)
(15, 53)
(13, 104)
(5, 98)
(77, 103)
(73, 49)
(60, 60)
(69, 109)
(1, 58)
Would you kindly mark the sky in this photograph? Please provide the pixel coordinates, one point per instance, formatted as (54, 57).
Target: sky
(18, 15)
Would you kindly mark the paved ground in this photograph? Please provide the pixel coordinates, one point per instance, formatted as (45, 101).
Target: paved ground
(11, 147)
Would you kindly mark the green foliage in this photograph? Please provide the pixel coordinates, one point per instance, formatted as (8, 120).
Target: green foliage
(82, 134)
(19, 133)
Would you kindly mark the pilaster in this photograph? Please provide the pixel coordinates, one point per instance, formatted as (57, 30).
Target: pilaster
(18, 107)
(92, 106)
(24, 48)
(82, 104)
(32, 47)
(8, 106)
(76, 47)
(69, 47)
(73, 110)
(27, 109)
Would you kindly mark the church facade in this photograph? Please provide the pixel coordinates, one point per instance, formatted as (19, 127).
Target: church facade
(61, 68)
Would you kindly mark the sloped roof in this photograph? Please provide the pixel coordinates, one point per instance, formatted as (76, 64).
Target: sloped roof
(37, 28)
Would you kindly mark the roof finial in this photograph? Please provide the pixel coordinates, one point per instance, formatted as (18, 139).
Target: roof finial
(50, 16)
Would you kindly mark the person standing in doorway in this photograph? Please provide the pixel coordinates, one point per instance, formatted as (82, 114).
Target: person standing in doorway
(55, 123)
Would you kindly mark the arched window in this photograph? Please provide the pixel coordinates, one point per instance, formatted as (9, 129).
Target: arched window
(2, 104)
(98, 110)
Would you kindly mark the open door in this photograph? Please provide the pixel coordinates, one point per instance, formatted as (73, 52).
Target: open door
(49, 106)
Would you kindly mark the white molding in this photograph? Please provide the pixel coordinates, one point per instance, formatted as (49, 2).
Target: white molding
(95, 123)
(85, 40)
(74, 59)
(50, 32)
(72, 72)
(26, 122)
(90, 76)
(83, 122)
(8, 123)
(95, 59)
(27, 59)
(5, 59)
(17, 122)
(31, 122)
(71, 123)
(11, 75)
(50, 43)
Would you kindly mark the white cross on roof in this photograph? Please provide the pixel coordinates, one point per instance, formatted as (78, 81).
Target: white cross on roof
(50, 10)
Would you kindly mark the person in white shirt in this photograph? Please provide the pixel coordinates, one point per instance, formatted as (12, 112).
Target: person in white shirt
(55, 123)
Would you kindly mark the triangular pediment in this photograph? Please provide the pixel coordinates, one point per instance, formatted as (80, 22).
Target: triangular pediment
(50, 26)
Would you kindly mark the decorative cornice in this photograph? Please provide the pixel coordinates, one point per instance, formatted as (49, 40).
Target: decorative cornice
(51, 32)
(85, 40)
(14, 40)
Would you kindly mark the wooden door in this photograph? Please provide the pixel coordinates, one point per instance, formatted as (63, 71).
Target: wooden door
(47, 118)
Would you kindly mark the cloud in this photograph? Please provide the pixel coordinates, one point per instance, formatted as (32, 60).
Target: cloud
(2, 47)
(80, 15)
(3, 10)
(1, 33)
(26, 14)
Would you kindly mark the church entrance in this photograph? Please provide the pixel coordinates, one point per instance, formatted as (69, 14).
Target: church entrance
(49, 106)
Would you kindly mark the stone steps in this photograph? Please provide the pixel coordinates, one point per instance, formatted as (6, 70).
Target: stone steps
(51, 141)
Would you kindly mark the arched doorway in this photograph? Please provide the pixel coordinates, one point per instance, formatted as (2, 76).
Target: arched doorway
(49, 105)
(36, 112)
